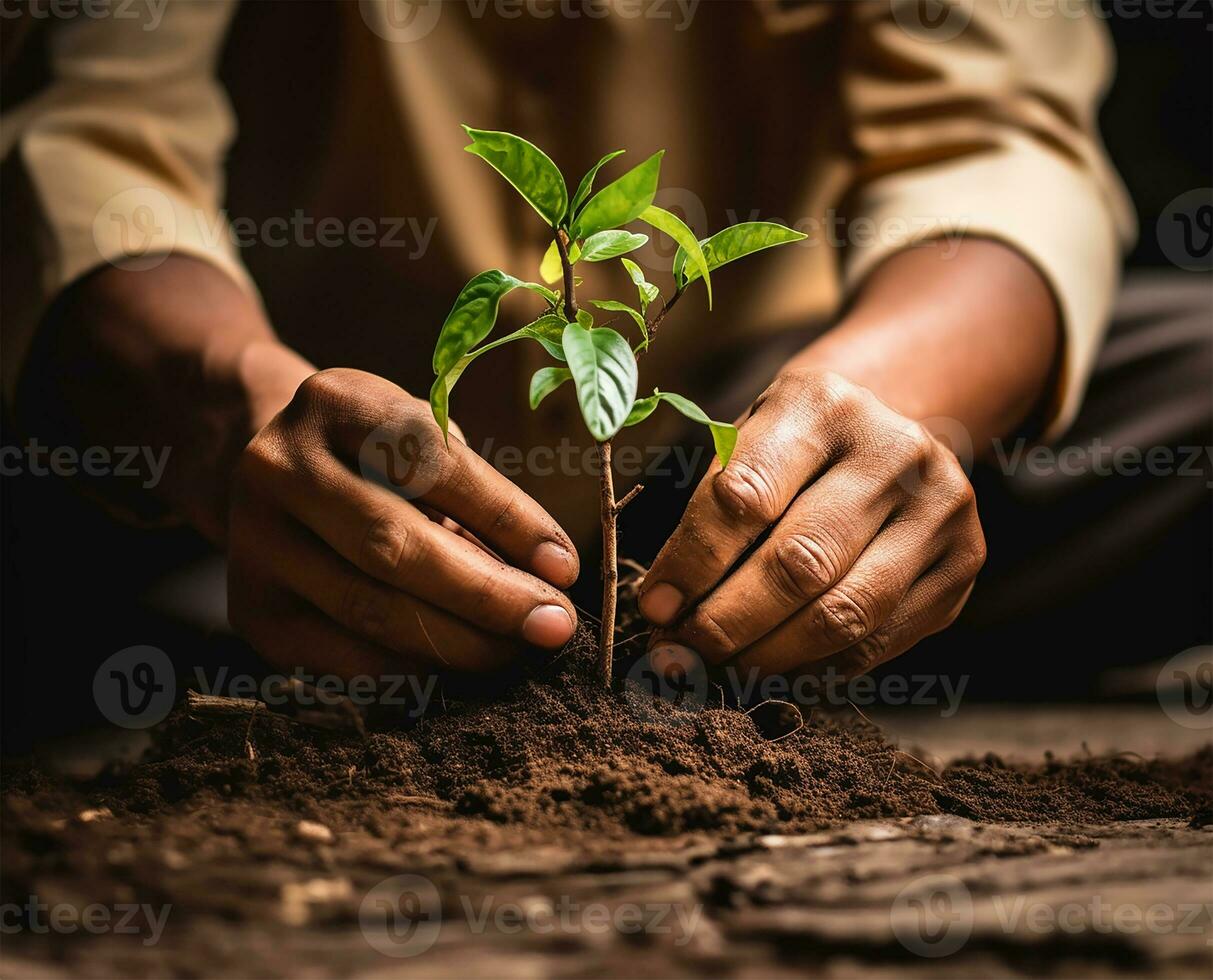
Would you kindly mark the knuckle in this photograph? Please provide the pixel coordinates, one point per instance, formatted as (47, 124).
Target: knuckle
(712, 633)
(508, 513)
(362, 610)
(871, 651)
(844, 617)
(324, 388)
(387, 546)
(264, 461)
(747, 493)
(803, 567)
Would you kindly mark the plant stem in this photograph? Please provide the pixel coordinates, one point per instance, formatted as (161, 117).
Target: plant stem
(666, 306)
(570, 296)
(609, 508)
(610, 566)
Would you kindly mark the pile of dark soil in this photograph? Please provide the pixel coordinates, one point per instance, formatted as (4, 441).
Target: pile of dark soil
(558, 751)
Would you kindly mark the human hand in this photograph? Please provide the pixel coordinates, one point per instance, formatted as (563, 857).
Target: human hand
(875, 543)
(328, 570)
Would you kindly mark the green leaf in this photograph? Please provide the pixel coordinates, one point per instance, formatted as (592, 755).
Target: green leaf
(586, 319)
(617, 307)
(472, 317)
(673, 226)
(550, 269)
(610, 245)
(548, 331)
(527, 167)
(604, 371)
(648, 292)
(622, 201)
(724, 434)
(545, 381)
(587, 184)
(552, 297)
(734, 243)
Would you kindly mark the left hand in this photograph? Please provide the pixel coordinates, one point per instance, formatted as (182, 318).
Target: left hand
(875, 543)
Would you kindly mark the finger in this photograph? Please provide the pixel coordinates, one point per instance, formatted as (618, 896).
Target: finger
(290, 634)
(388, 431)
(810, 550)
(786, 442)
(376, 612)
(858, 605)
(931, 605)
(395, 544)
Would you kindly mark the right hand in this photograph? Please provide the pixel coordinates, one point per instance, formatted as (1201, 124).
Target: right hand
(332, 572)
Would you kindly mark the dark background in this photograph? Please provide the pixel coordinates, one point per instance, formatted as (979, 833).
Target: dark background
(78, 586)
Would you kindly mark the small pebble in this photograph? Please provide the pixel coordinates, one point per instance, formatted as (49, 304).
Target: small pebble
(309, 830)
(88, 816)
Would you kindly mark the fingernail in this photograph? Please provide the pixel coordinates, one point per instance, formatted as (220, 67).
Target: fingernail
(669, 659)
(661, 603)
(554, 564)
(547, 626)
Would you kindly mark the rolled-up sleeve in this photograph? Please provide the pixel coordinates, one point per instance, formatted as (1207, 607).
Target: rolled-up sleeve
(978, 118)
(120, 153)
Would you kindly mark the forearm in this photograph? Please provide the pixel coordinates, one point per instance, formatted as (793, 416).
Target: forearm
(973, 338)
(175, 357)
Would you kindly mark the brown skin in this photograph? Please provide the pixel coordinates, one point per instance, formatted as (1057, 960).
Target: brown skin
(323, 565)
(346, 575)
(875, 540)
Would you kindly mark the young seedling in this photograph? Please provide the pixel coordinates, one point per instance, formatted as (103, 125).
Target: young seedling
(600, 361)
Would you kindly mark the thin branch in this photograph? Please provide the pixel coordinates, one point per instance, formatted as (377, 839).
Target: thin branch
(626, 499)
(666, 306)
